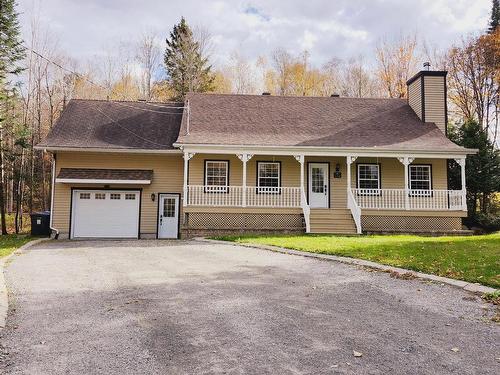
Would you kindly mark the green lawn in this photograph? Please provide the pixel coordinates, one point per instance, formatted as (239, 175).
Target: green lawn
(11, 242)
(469, 258)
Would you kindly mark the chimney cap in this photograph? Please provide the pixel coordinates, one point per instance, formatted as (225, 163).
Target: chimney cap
(427, 73)
(266, 93)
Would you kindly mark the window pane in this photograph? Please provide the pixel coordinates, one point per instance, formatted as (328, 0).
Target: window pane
(268, 176)
(100, 196)
(216, 173)
(169, 207)
(317, 180)
(368, 176)
(420, 177)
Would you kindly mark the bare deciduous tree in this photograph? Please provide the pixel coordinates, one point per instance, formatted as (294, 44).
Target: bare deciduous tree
(148, 56)
(396, 62)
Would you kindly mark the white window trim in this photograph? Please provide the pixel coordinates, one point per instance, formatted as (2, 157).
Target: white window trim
(378, 189)
(420, 192)
(216, 188)
(268, 189)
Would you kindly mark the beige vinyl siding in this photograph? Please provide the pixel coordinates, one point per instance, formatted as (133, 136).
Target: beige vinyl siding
(435, 97)
(393, 175)
(167, 178)
(415, 97)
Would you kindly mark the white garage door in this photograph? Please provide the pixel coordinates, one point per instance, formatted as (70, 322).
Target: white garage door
(105, 213)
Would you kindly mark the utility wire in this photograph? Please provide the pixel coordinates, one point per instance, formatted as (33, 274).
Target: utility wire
(102, 87)
(130, 131)
(119, 103)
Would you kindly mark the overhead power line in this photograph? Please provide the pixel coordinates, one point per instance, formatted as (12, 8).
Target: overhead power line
(96, 108)
(82, 76)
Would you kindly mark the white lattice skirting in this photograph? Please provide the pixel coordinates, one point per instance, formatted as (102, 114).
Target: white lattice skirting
(410, 223)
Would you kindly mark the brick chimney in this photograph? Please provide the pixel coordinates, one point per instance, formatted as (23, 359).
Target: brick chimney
(427, 96)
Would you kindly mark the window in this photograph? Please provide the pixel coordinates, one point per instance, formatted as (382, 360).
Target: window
(369, 178)
(216, 176)
(100, 196)
(115, 196)
(84, 195)
(420, 179)
(268, 177)
(169, 207)
(130, 196)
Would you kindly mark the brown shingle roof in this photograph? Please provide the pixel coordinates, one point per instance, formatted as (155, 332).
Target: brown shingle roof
(255, 120)
(116, 125)
(105, 174)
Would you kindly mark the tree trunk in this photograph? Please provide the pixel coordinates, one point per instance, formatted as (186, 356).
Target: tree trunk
(2, 190)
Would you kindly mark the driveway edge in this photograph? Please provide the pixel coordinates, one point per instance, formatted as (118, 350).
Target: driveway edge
(4, 296)
(470, 287)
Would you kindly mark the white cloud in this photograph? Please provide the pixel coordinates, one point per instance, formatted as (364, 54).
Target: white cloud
(340, 28)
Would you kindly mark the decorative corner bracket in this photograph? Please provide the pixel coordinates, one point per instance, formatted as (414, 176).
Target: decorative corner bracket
(189, 155)
(245, 157)
(461, 162)
(351, 159)
(406, 160)
(299, 158)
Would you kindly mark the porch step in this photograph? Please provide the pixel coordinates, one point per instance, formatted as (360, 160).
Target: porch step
(324, 220)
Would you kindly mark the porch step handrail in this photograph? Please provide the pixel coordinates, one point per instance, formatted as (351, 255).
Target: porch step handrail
(355, 210)
(413, 199)
(306, 210)
(232, 196)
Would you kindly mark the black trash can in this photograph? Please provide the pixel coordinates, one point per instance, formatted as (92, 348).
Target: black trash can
(40, 223)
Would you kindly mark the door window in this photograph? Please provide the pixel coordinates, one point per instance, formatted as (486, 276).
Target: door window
(317, 180)
(169, 207)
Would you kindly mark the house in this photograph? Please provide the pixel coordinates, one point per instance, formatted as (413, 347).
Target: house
(232, 163)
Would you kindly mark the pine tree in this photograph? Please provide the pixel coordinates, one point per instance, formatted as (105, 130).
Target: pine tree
(187, 69)
(11, 54)
(495, 16)
(482, 169)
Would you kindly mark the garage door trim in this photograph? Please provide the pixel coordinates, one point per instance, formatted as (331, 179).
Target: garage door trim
(70, 234)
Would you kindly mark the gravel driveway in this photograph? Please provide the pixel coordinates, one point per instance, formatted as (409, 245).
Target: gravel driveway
(183, 307)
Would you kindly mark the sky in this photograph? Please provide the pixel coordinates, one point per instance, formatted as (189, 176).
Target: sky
(325, 28)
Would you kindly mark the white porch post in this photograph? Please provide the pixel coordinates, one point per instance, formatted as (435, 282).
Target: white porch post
(244, 158)
(406, 161)
(300, 159)
(349, 160)
(187, 156)
(461, 162)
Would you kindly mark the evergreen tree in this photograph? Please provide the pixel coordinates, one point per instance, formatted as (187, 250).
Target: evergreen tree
(187, 69)
(11, 54)
(482, 169)
(495, 16)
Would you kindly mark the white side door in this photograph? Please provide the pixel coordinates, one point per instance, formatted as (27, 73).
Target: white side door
(318, 185)
(168, 216)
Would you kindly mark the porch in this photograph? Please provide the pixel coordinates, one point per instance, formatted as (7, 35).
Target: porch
(349, 183)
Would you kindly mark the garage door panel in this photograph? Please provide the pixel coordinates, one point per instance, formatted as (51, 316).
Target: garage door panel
(106, 214)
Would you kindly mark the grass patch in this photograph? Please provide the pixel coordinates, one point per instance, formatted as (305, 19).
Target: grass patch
(11, 242)
(470, 258)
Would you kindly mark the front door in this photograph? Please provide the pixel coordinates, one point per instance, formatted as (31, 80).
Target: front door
(318, 185)
(168, 216)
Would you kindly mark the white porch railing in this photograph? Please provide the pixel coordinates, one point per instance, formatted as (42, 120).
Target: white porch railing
(401, 199)
(233, 196)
